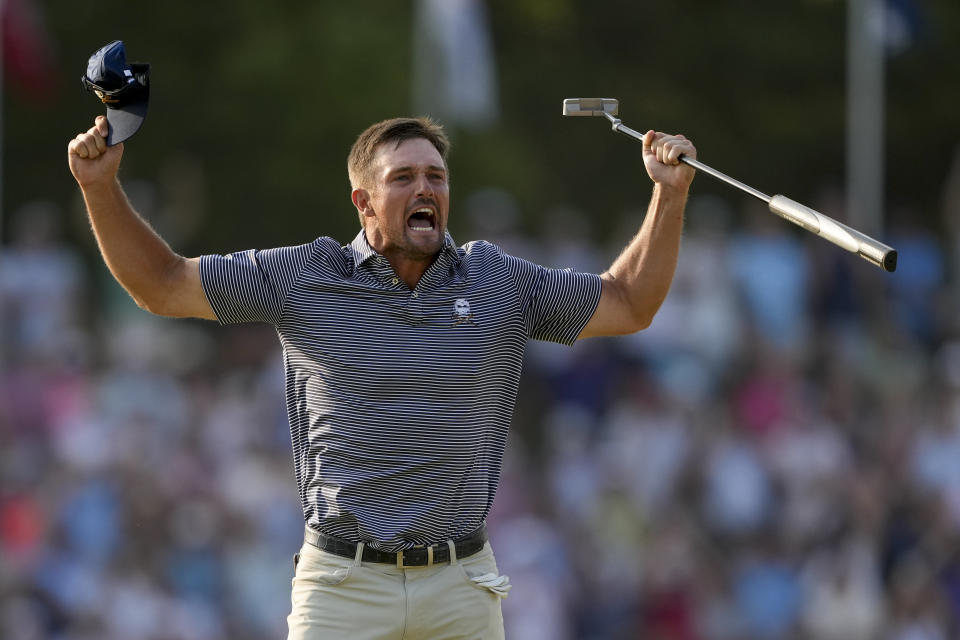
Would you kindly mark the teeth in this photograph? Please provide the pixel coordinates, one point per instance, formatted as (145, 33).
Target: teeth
(422, 224)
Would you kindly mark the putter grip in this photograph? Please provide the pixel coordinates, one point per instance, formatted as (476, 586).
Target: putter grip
(839, 234)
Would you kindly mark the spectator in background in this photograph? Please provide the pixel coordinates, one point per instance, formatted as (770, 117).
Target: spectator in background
(772, 273)
(42, 288)
(915, 285)
(843, 594)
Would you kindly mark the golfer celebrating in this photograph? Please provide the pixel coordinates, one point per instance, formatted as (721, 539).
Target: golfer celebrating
(402, 356)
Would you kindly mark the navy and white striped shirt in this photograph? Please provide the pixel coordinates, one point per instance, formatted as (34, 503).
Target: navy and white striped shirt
(399, 401)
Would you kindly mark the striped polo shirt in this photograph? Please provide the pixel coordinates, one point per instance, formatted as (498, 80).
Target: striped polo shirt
(399, 400)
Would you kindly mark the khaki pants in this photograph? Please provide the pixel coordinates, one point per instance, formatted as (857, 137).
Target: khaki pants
(341, 598)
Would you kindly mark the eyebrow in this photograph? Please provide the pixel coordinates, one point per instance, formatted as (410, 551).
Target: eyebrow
(431, 167)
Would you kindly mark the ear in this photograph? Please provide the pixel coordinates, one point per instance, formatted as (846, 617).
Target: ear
(361, 200)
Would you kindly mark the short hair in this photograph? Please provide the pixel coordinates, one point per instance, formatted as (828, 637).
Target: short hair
(396, 130)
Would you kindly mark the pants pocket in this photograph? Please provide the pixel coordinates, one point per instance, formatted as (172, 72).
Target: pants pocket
(481, 572)
(318, 567)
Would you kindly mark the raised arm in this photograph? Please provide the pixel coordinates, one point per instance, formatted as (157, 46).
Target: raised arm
(637, 283)
(158, 279)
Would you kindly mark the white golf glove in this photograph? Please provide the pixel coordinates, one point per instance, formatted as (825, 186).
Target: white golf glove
(499, 585)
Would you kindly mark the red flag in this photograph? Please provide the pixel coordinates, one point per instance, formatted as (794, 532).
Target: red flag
(28, 60)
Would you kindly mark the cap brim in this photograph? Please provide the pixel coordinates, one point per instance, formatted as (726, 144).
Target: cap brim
(126, 121)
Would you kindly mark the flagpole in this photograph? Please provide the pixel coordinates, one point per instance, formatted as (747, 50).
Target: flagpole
(865, 115)
(3, 314)
(2, 96)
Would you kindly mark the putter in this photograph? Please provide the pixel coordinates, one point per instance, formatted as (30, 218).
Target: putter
(815, 222)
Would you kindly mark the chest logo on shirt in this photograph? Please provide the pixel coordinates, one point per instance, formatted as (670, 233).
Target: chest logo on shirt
(461, 312)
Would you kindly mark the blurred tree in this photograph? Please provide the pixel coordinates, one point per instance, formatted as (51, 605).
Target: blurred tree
(266, 100)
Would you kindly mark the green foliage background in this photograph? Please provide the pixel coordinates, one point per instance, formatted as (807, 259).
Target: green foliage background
(264, 100)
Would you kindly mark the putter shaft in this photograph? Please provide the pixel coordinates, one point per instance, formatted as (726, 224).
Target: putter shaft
(813, 221)
(696, 164)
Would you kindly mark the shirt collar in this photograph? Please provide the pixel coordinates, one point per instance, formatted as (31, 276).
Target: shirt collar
(362, 251)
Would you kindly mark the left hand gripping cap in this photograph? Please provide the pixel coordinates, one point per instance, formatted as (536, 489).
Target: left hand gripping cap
(124, 89)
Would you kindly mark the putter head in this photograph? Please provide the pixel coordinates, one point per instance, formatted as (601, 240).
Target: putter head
(590, 106)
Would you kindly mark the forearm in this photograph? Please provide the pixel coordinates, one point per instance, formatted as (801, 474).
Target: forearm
(136, 255)
(643, 272)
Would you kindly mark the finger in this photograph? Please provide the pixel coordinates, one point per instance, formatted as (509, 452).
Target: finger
(663, 150)
(648, 139)
(102, 125)
(87, 142)
(96, 138)
(99, 140)
(652, 142)
(77, 148)
(676, 148)
(673, 147)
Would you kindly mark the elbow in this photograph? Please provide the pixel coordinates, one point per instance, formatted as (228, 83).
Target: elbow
(645, 309)
(142, 303)
(641, 316)
(624, 311)
(161, 305)
(629, 321)
(165, 285)
(640, 321)
(158, 296)
(146, 295)
(149, 304)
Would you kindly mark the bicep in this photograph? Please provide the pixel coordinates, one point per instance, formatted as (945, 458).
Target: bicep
(185, 297)
(614, 315)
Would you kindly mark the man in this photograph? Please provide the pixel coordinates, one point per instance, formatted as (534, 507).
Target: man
(402, 354)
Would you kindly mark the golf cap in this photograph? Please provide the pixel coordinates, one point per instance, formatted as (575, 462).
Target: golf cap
(123, 88)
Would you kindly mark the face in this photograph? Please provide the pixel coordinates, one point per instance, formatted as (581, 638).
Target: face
(405, 208)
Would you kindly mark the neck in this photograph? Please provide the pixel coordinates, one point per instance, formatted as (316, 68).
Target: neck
(408, 269)
(409, 266)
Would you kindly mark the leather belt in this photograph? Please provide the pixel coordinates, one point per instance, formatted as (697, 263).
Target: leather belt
(420, 556)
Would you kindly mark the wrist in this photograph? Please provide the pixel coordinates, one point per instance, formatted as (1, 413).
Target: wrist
(671, 192)
(100, 186)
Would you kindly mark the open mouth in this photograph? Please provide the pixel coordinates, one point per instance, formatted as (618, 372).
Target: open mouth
(423, 219)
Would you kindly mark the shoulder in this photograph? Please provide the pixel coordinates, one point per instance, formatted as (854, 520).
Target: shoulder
(480, 258)
(318, 252)
(325, 245)
(480, 251)
(320, 255)
(327, 254)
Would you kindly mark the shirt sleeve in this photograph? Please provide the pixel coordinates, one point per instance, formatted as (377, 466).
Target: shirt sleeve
(556, 303)
(252, 285)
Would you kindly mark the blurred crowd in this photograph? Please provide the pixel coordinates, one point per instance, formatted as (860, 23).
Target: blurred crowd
(776, 457)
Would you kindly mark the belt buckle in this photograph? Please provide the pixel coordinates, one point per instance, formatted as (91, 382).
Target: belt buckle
(401, 565)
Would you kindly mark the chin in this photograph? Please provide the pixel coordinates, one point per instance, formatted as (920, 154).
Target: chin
(427, 245)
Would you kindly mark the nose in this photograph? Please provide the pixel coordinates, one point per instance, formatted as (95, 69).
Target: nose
(423, 186)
